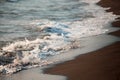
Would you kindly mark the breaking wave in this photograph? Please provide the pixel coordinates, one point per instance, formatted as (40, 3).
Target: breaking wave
(59, 36)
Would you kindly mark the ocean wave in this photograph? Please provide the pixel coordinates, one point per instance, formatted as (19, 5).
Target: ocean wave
(60, 36)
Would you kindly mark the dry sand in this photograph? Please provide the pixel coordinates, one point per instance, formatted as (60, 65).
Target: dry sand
(103, 64)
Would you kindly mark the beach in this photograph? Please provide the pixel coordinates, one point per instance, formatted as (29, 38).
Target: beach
(103, 64)
(59, 40)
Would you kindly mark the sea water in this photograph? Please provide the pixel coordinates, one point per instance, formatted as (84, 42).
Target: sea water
(42, 32)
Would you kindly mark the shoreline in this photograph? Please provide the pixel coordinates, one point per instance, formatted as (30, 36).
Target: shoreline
(91, 66)
(103, 64)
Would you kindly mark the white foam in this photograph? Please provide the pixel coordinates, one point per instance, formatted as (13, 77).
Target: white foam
(61, 37)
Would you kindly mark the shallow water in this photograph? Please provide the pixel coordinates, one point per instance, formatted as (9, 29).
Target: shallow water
(90, 43)
(38, 31)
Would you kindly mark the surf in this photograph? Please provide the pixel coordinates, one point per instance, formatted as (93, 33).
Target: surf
(55, 36)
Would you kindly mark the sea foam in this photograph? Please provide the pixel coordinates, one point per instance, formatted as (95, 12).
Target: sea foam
(59, 37)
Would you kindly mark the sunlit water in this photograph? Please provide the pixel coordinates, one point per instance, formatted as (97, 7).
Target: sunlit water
(36, 32)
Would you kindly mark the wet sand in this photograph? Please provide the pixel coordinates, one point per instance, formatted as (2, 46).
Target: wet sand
(103, 64)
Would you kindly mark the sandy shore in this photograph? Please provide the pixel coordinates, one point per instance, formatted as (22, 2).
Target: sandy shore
(103, 64)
